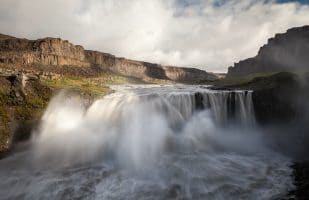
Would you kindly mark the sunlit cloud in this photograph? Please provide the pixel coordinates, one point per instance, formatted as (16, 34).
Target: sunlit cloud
(207, 34)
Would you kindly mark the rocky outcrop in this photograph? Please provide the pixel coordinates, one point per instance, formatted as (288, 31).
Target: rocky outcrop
(22, 98)
(99, 59)
(277, 99)
(287, 52)
(48, 51)
(187, 74)
(58, 52)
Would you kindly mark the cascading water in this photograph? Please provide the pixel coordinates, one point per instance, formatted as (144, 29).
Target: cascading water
(147, 142)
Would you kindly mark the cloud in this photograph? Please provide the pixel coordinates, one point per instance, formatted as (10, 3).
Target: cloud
(208, 34)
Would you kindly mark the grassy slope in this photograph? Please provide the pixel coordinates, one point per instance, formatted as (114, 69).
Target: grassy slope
(87, 86)
(258, 81)
(235, 82)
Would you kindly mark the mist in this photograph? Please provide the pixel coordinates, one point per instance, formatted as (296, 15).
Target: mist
(288, 134)
(135, 127)
(149, 142)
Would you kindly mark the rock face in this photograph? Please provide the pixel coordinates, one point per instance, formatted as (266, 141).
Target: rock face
(48, 51)
(277, 102)
(57, 52)
(280, 98)
(22, 97)
(287, 52)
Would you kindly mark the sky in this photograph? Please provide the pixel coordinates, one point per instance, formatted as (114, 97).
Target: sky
(206, 34)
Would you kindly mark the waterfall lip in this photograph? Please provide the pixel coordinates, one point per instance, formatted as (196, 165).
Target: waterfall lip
(177, 89)
(137, 111)
(228, 107)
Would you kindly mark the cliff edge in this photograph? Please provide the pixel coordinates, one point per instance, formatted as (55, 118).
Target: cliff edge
(286, 52)
(58, 52)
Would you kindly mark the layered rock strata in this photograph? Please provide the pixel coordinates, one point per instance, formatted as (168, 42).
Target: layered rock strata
(58, 52)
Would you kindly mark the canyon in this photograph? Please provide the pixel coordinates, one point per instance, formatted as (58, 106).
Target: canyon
(57, 52)
(261, 104)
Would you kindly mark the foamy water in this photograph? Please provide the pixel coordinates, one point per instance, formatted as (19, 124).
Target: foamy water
(148, 142)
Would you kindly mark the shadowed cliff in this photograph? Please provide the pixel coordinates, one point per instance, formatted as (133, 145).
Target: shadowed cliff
(286, 52)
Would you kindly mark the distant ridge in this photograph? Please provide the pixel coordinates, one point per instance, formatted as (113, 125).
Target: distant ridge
(3, 37)
(57, 52)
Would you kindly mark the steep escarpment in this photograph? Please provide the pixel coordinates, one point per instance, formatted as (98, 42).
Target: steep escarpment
(58, 52)
(187, 74)
(286, 52)
(48, 51)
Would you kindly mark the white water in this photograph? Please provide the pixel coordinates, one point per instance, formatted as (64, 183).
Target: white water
(148, 142)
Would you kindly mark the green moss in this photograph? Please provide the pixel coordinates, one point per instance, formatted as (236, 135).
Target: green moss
(258, 81)
(21, 109)
(90, 86)
(4, 122)
(23, 113)
(7, 100)
(158, 81)
(4, 115)
(227, 82)
(37, 101)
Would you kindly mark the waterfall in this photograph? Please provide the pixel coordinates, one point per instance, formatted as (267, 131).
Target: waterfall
(226, 107)
(147, 142)
(135, 119)
(230, 106)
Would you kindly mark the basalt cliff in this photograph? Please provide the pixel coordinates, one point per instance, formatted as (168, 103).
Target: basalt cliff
(57, 52)
(286, 52)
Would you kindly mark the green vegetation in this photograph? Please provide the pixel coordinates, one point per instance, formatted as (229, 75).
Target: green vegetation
(88, 86)
(13, 110)
(19, 106)
(235, 81)
(256, 81)
(157, 81)
(4, 114)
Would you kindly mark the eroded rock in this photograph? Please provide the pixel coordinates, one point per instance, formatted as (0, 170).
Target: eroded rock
(58, 52)
(287, 52)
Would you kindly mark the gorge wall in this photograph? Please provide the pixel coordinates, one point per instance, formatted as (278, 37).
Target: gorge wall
(286, 52)
(58, 52)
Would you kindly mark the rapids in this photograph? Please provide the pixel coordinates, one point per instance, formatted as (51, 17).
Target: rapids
(147, 142)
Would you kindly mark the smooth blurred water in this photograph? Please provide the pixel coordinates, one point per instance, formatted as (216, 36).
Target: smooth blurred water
(148, 142)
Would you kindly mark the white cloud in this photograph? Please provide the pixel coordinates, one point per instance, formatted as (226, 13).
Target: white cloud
(209, 34)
